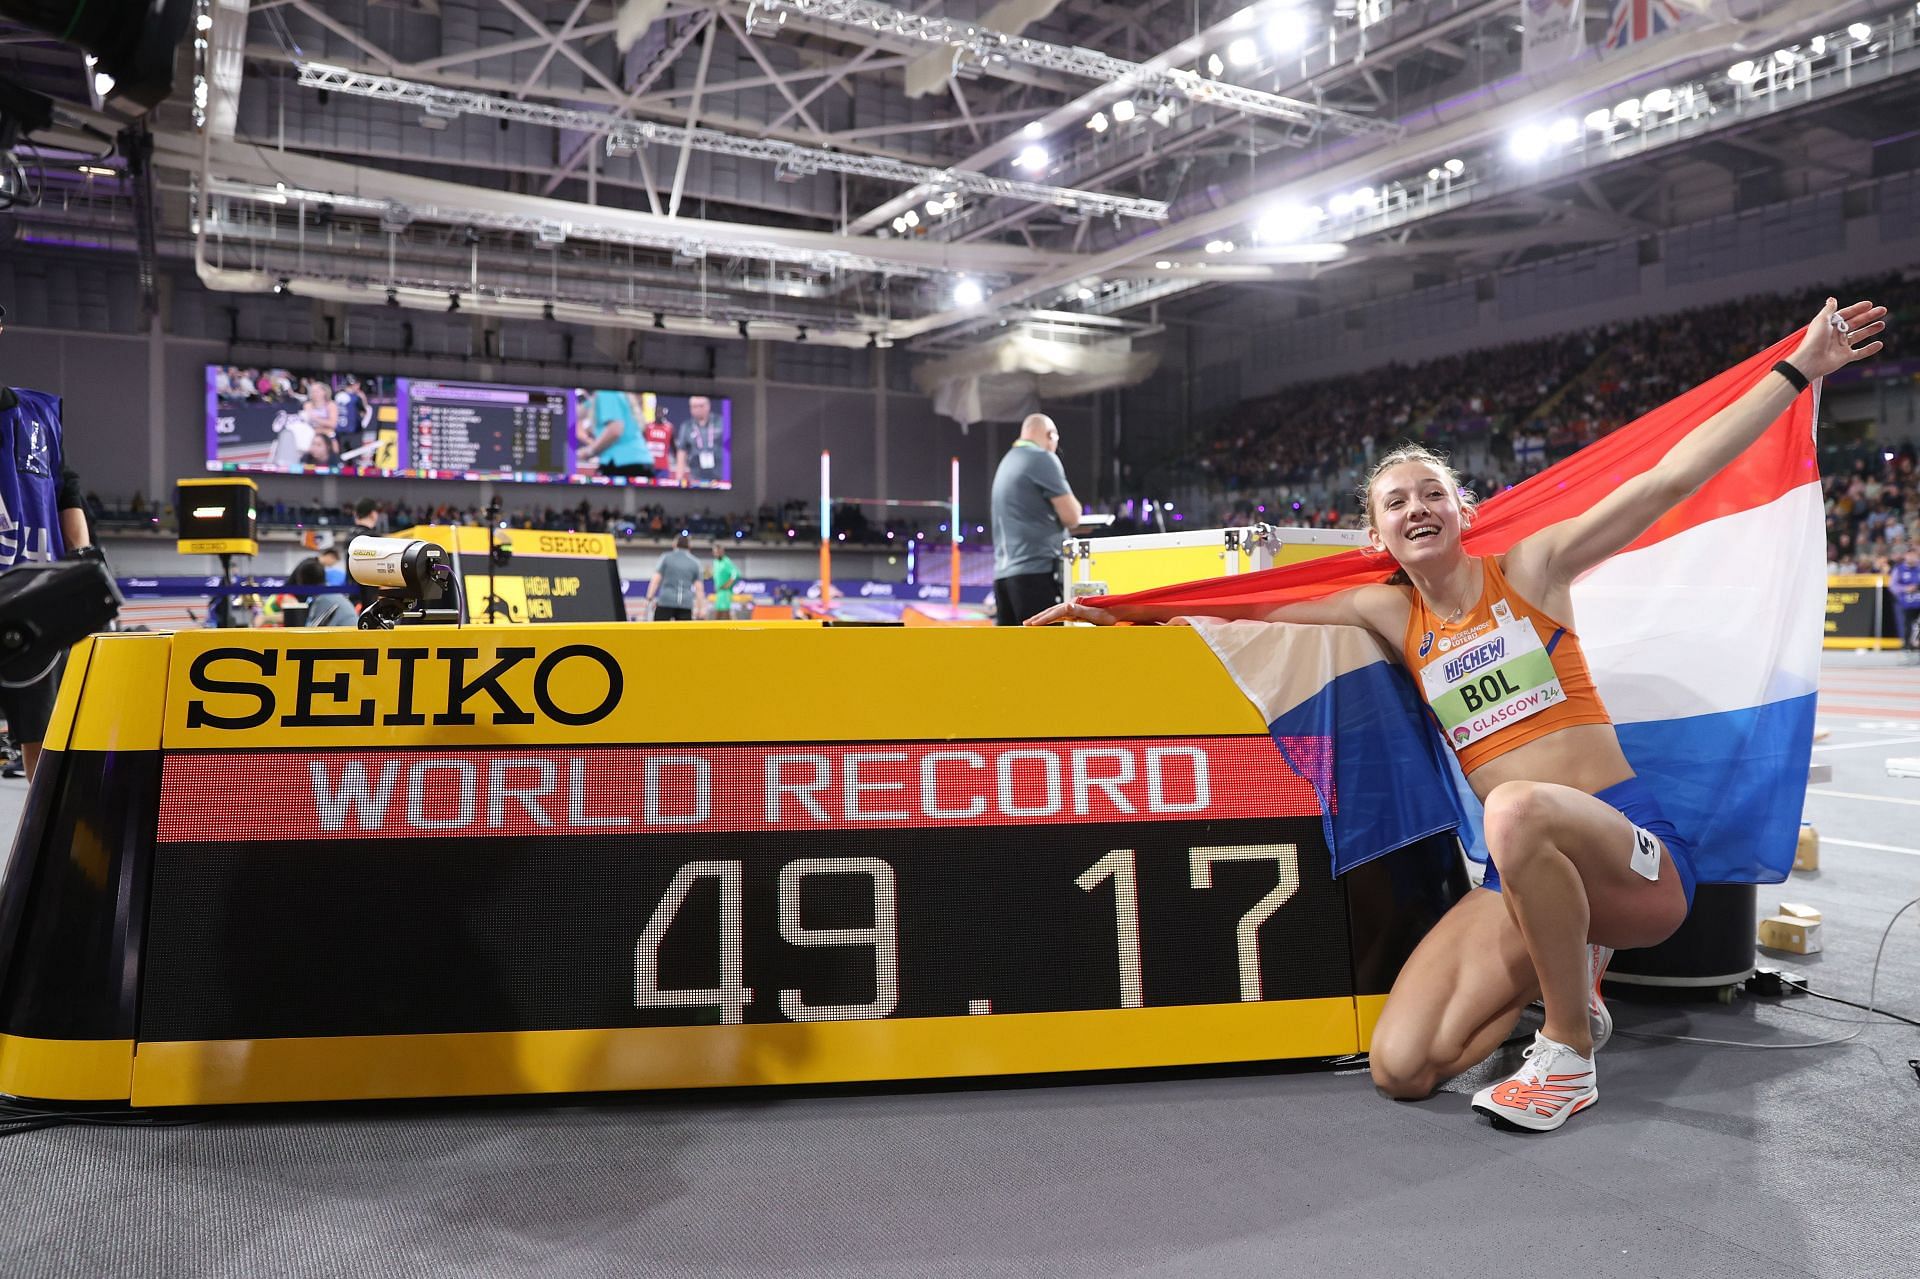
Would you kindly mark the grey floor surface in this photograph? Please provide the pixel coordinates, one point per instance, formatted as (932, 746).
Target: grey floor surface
(1700, 1160)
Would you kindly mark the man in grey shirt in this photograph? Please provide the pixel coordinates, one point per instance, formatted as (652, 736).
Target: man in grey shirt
(675, 588)
(1033, 505)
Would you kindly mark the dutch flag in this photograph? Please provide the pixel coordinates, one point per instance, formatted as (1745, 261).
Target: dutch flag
(1704, 638)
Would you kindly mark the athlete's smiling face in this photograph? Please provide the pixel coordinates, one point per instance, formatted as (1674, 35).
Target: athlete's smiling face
(1417, 515)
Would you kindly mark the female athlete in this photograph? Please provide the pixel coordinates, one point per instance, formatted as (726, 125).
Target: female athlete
(1582, 859)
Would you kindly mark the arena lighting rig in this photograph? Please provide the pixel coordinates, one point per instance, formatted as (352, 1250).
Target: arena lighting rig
(624, 135)
(974, 43)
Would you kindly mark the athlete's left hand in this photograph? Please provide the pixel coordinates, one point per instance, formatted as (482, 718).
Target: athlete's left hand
(1829, 347)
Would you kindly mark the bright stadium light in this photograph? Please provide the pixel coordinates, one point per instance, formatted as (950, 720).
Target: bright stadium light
(1859, 30)
(1099, 122)
(1124, 110)
(1743, 71)
(1287, 32)
(1529, 143)
(1243, 52)
(1658, 100)
(1285, 223)
(1599, 120)
(968, 293)
(1034, 129)
(1031, 158)
(1564, 130)
(1456, 167)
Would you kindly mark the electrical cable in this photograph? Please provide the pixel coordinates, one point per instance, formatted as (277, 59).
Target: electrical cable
(1873, 986)
(16, 1119)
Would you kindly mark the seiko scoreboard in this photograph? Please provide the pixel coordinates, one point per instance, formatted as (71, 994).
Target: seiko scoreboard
(440, 862)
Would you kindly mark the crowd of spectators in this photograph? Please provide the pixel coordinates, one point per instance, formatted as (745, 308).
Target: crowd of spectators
(1298, 456)
(1873, 508)
(793, 521)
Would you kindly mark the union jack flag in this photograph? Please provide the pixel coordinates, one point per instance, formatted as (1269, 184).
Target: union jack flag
(1636, 20)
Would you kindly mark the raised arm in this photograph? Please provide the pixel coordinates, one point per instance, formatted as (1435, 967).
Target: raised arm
(1380, 609)
(1562, 552)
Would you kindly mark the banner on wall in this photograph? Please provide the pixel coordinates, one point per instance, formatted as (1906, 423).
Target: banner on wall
(1553, 33)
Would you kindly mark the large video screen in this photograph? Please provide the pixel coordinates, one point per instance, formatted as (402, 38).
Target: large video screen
(301, 422)
(279, 420)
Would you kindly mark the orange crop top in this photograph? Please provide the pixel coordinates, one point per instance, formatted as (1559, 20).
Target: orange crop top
(1504, 675)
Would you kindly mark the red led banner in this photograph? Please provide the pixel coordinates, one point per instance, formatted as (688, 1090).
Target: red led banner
(230, 796)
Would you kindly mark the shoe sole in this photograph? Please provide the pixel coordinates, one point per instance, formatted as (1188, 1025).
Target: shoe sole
(1532, 1122)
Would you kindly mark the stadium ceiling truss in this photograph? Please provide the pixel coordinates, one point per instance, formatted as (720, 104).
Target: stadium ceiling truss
(903, 172)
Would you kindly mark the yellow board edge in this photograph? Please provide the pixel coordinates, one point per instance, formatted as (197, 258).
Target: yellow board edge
(123, 702)
(66, 1069)
(66, 702)
(1366, 1009)
(503, 1063)
(1883, 642)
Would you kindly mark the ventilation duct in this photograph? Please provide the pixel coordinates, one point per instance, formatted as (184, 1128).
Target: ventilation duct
(1006, 378)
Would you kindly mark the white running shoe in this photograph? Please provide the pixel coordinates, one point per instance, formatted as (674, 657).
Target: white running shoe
(1553, 1084)
(1599, 1020)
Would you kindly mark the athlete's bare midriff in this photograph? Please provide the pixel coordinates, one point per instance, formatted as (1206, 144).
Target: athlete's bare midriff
(1586, 757)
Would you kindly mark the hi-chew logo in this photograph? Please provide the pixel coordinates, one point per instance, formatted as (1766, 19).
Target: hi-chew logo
(1474, 658)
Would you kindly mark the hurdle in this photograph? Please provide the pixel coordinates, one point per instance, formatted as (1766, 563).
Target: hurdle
(951, 505)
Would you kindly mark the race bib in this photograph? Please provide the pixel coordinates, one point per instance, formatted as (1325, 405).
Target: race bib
(1497, 680)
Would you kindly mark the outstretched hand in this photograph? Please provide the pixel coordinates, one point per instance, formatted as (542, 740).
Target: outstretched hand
(1838, 336)
(1072, 611)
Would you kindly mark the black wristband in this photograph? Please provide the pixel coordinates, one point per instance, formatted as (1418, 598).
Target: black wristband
(1793, 375)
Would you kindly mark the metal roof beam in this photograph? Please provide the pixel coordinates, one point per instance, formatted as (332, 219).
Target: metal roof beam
(625, 134)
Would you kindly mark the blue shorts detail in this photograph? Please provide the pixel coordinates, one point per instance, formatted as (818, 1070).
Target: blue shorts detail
(1634, 800)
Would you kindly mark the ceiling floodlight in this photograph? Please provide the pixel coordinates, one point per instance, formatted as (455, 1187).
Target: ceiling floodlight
(968, 293)
(1124, 110)
(1031, 158)
(911, 217)
(1564, 130)
(900, 226)
(1085, 295)
(1034, 129)
(1628, 112)
(1781, 57)
(1163, 265)
(1284, 223)
(1433, 175)
(1162, 115)
(1243, 52)
(1859, 31)
(1099, 122)
(1599, 120)
(1819, 46)
(1743, 71)
(1214, 65)
(1658, 100)
(1287, 32)
(1340, 205)
(935, 208)
(1456, 167)
(1530, 143)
